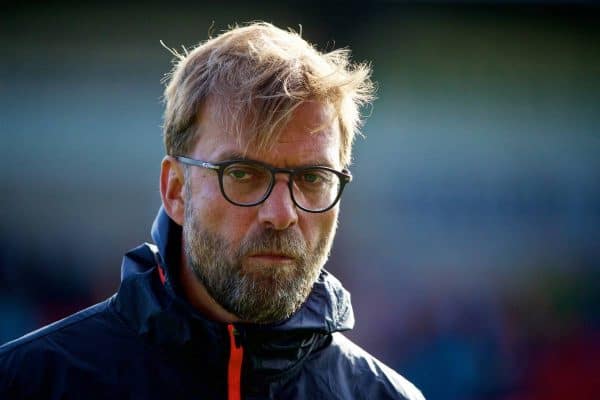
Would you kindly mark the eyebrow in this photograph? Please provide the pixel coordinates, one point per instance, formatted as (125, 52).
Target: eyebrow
(237, 155)
(231, 155)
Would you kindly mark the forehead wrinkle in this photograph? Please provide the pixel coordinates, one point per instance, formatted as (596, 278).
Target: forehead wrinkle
(312, 128)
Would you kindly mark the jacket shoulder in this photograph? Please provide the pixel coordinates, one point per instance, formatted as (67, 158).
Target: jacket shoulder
(32, 364)
(34, 337)
(351, 372)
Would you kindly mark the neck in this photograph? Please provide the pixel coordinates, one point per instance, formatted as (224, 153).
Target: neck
(196, 294)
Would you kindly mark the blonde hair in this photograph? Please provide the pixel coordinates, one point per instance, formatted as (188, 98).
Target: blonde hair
(257, 76)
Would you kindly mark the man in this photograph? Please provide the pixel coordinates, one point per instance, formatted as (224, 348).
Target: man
(232, 302)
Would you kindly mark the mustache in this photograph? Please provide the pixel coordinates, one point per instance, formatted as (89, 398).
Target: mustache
(288, 242)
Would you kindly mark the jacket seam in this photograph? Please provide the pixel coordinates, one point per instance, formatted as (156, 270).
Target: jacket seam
(45, 331)
(145, 343)
(112, 309)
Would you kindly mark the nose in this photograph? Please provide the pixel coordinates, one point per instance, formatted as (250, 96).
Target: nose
(278, 211)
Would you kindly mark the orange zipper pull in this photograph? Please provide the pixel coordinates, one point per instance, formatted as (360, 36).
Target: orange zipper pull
(234, 370)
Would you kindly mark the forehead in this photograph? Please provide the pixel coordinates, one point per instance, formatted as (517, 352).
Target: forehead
(311, 137)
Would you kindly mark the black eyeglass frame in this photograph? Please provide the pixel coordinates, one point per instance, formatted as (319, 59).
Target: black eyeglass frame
(345, 177)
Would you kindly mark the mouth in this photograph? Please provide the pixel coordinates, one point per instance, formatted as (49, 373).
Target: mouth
(271, 256)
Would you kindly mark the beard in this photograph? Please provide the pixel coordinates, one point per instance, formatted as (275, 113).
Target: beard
(263, 294)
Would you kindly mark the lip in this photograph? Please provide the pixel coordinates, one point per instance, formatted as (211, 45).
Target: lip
(276, 257)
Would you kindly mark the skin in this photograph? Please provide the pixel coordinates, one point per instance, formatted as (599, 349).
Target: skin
(297, 145)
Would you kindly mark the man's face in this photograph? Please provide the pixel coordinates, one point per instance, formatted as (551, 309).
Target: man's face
(260, 262)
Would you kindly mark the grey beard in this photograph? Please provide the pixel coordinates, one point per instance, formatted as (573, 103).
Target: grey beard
(261, 293)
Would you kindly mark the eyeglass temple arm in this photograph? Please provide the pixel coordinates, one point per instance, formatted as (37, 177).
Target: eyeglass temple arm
(197, 163)
(347, 175)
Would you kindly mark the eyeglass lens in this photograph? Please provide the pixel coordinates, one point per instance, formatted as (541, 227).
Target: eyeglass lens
(313, 188)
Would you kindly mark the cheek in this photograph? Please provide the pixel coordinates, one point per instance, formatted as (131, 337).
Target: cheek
(331, 221)
(317, 227)
(203, 198)
(204, 193)
(218, 216)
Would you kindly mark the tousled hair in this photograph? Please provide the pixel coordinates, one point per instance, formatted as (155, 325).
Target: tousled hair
(256, 76)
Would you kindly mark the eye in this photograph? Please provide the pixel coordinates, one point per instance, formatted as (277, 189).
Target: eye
(315, 178)
(245, 173)
(239, 174)
(310, 177)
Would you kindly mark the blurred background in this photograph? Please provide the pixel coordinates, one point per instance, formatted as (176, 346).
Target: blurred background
(469, 237)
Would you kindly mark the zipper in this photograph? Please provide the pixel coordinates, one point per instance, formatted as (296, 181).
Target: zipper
(234, 369)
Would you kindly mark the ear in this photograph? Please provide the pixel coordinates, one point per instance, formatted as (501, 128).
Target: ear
(171, 189)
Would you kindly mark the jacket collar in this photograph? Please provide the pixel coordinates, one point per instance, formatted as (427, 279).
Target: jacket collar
(327, 309)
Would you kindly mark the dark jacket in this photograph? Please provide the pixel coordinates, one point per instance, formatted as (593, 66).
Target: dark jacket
(146, 342)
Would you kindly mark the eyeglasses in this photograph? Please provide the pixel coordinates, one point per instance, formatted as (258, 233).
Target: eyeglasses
(247, 183)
